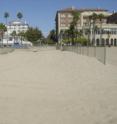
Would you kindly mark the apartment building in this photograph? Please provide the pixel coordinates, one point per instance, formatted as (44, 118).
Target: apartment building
(109, 31)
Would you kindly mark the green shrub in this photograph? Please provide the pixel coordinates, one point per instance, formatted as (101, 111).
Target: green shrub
(50, 41)
(81, 40)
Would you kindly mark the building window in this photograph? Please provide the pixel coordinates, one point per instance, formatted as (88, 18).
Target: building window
(103, 41)
(98, 42)
(111, 41)
(107, 41)
(70, 16)
(63, 25)
(63, 15)
(115, 42)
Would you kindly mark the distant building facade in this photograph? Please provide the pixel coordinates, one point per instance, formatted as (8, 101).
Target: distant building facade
(109, 30)
(17, 26)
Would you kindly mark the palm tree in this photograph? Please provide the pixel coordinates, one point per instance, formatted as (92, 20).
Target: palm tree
(76, 17)
(6, 16)
(94, 17)
(72, 29)
(19, 15)
(14, 34)
(73, 25)
(101, 17)
(89, 31)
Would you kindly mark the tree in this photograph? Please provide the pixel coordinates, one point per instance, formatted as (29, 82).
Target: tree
(19, 15)
(34, 35)
(101, 17)
(52, 36)
(6, 16)
(22, 35)
(82, 40)
(2, 30)
(89, 31)
(76, 17)
(65, 36)
(72, 30)
(3, 27)
(94, 17)
(14, 34)
(73, 25)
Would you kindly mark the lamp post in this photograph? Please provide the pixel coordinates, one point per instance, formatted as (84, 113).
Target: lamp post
(109, 37)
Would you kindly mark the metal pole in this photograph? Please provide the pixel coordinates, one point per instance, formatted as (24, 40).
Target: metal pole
(105, 55)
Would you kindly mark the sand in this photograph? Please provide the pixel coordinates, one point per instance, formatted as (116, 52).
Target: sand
(47, 86)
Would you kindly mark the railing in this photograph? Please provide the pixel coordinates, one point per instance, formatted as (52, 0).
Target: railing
(97, 52)
(6, 50)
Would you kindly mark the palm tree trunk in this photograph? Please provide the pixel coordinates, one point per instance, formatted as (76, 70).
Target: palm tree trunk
(101, 33)
(72, 37)
(93, 34)
(7, 33)
(2, 39)
(90, 32)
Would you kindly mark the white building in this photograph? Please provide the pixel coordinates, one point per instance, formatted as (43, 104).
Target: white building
(17, 26)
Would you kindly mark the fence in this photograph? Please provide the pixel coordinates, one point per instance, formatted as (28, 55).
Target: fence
(6, 50)
(111, 55)
(97, 52)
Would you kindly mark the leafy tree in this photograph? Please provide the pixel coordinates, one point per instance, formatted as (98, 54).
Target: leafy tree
(34, 35)
(14, 34)
(51, 38)
(2, 29)
(22, 35)
(82, 40)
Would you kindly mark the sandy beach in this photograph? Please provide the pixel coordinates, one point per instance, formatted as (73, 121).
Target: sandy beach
(47, 86)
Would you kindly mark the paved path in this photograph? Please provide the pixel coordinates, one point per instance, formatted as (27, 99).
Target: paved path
(45, 86)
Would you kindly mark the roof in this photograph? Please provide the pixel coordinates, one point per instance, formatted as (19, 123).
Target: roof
(81, 10)
(17, 22)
